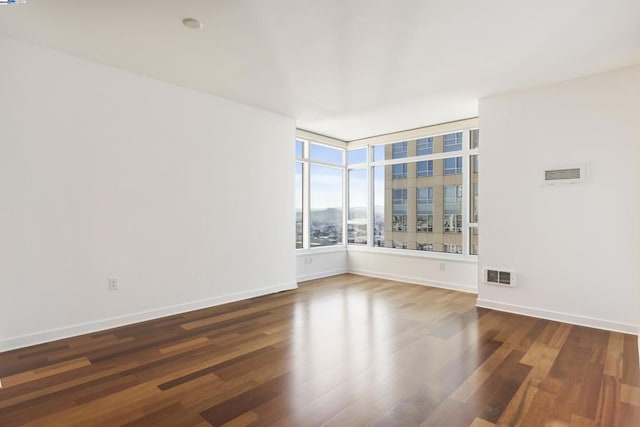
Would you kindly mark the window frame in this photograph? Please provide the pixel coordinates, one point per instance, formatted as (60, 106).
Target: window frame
(373, 145)
(307, 139)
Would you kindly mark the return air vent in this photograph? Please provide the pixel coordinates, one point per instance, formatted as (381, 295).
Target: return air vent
(564, 175)
(499, 277)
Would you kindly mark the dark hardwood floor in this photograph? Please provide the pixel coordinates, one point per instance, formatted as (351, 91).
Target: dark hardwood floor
(343, 351)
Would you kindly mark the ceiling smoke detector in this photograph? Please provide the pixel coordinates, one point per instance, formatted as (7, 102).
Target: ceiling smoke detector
(192, 23)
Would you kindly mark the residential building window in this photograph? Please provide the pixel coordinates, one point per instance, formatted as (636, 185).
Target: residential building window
(453, 249)
(453, 208)
(399, 245)
(424, 168)
(399, 151)
(424, 209)
(425, 246)
(399, 209)
(473, 241)
(424, 146)
(475, 138)
(453, 166)
(453, 142)
(400, 171)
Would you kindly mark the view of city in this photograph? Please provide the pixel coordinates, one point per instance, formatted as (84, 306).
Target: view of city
(418, 204)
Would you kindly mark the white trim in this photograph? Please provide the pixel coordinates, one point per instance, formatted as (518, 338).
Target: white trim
(416, 280)
(321, 274)
(128, 319)
(341, 247)
(438, 256)
(574, 319)
(408, 135)
(316, 137)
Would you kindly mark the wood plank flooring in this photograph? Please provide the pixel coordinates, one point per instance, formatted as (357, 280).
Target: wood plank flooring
(343, 351)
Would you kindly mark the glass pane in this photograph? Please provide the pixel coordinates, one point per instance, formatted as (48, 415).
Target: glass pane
(299, 148)
(473, 241)
(419, 216)
(424, 209)
(325, 199)
(474, 139)
(453, 166)
(379, 152)
(453, 208)
(399, 209)
(452, 142)
(424, 168)
(399, 150)
(299, 224)
(326, 154)
(358, 155)
(424, 146)
(379, 205)
(358, 195)
(473, 212)
(357, 219)
(400, 171)
(357, 234)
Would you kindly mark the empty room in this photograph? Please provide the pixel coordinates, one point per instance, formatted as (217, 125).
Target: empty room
(329, 213)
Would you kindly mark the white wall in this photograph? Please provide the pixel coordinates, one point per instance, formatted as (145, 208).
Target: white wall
(106, 173)
(449, 272)
(575, 248)
(320, 262)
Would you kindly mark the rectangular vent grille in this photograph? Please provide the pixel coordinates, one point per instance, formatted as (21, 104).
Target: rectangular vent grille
(499, 277)
(554, 175)
(570, 174)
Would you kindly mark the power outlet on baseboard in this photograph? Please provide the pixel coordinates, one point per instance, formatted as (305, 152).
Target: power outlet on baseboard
(113, 283)
(442, 266)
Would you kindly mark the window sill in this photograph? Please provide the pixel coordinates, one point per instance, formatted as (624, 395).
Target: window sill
(322, 250)
(469, 259)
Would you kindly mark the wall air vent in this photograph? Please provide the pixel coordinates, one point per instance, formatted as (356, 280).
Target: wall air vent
(494, 276)
(563, 175)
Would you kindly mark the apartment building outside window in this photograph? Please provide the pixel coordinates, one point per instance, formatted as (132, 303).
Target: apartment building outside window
(399, 151)
(400, 209)
(440, 216)
(424, 146)
(453, 208)
(453, 142)
(424, 209)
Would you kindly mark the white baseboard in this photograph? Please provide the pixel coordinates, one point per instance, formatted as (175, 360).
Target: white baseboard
(127, 319)
(416, 280)
(321, 274)
(574, 319)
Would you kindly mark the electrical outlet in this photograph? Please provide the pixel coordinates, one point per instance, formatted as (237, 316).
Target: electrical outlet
(442, 266)
(113, 283)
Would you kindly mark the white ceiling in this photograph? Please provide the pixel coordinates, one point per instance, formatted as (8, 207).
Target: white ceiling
(344, 68)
